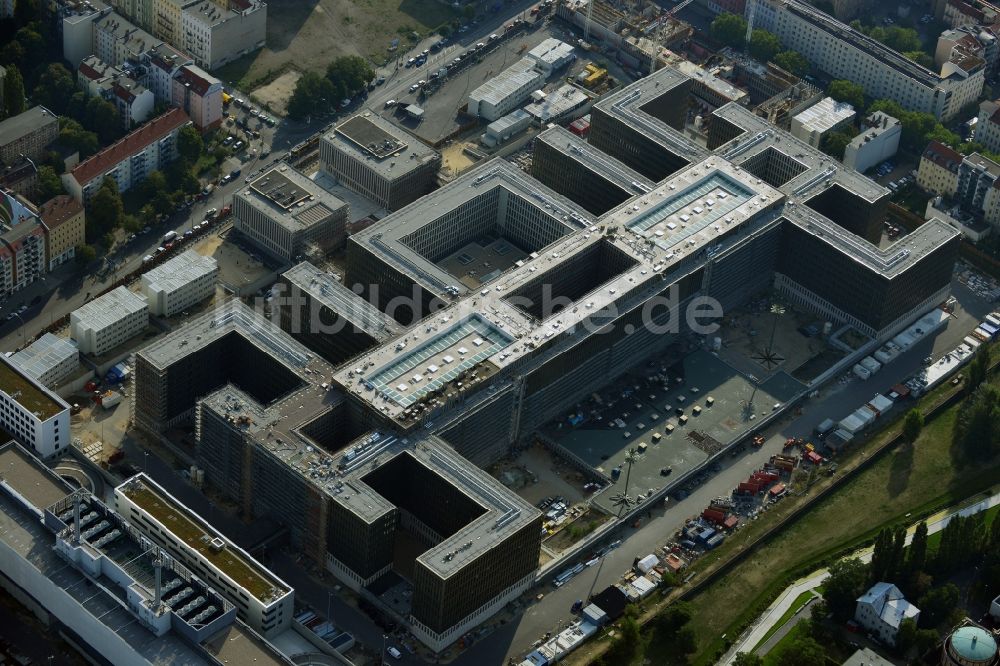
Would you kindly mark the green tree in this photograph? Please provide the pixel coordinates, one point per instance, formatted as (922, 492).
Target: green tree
(977, 369)
(920, 58)
(85, 254)
(792, 61)
(674, 634)
(917, 557)
(881, 557)
(764, 45)
(802, 651)
(938, 605)
(13, 92)
(835, 143)
(49, 184)
(847, 582)
(102, 117)
(926, 640)
(72, 134)
(897, 561)
(901, 39)
(313, 93)
(468, 11)
(747, 659)
(906, 638)
(189, 144)
(54, 89)
(847, 91)
(729, 29)
(912, 425)
(350, 74)
(106, 211)
(942, 134)
(629, 644)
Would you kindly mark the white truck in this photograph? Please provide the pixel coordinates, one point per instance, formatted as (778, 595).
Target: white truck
(169, 236)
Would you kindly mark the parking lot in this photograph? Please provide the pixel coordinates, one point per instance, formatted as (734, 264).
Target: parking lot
(697, 407)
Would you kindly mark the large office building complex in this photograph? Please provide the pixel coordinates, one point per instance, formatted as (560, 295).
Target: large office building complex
(275, 436)
(284, 213)
(531, 294)
(379, 160)
(106, 322)
(262, 600)
(846, 53)
(31, 413)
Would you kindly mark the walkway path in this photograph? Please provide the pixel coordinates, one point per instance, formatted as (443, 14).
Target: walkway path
(773, 614)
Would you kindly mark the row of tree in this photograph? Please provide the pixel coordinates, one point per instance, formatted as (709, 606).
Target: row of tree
(977, 428)
(731, 30)
(315, 93)
(670, 633)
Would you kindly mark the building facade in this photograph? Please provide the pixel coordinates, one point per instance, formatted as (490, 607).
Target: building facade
(149, 148)
(877, 142)
(199, 94)
(31, 413)
(882, 609)
(938, 170)
(65, 228)
(27, 134)
(22, 243)
(184, 281)
(286, 214)
(215, 35)
(846, 53)
(375, 158)
(505, 91)
(988, 126)
(108, 321)
(828, 115)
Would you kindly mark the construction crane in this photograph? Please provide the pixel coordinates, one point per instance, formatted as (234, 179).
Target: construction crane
(679, 7)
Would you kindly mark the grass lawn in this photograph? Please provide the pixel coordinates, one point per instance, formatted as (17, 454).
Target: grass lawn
(799, 602)
(911, 479)
(836, 652)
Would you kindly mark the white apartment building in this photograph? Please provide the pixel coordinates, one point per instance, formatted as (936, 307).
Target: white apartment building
(825, 116)
(284, 213)
(117, 40)
(34, 415)
(988, 126)
(262, 600)
(131, 159)
(215, 35)
(78, 30)
(199, 94)
(162, 65)
(938, 170)
(878, 142)
(506, 91)
(845, 53)
(106, 322)
(49, 360)
(882, 609)
(187, 279)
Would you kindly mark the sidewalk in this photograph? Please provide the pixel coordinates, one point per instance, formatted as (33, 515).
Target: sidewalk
(755, 634)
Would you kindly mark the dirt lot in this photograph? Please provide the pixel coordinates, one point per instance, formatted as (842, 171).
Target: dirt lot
(307, 34)
(276, 93)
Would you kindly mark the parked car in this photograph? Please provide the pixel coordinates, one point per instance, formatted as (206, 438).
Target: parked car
(390, 103)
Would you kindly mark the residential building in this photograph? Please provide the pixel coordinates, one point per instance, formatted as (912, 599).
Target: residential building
(132, 100)
(866, 657)
(22, 243)
(978, 189)
(506, 91)
(882, 609)
(116, 40)
(379, 160)
(21, 177)
(286, 214)
(49, 360)
(979, 40)
(184, 281)
(167, 20)
(262, 600)
(85, 569)
(108, 321)
(77, 26)
(148, 148)
(93, 75)
(215, 35)
(827, 115)
(988, 126)
(65, 226)
(199, 94)
(846, 53)
(877, 142)
(27, 134)
(32, 414)
(162, 64)
(938, 169)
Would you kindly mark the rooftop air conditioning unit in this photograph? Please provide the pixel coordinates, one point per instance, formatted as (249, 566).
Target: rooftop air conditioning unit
(217, 544)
